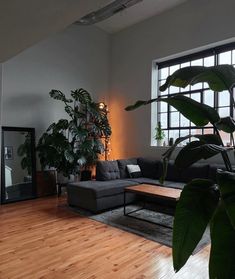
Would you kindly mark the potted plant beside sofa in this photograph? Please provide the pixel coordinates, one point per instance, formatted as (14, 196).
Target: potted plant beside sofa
(74, 144)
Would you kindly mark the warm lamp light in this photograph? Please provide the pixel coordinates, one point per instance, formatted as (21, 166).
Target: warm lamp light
(101, 105)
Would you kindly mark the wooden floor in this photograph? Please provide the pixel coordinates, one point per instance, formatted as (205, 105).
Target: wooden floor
(43, 239)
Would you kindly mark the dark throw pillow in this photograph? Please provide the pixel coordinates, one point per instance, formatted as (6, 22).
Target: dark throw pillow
(134, 171)
(107, 170)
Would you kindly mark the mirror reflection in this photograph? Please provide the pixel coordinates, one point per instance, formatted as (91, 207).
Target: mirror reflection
(18, 165)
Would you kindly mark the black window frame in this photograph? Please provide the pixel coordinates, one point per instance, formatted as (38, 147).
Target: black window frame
(215, 51)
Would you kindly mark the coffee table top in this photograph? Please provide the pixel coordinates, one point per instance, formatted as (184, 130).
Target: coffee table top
(155, 191)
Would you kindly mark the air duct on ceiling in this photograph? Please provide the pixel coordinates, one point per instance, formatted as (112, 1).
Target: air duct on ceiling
(106, 12)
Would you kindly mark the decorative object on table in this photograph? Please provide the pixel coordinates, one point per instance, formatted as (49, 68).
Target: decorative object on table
(202, 202)
(71, 146)
(160, 135)
(171, 142)
(8, 150)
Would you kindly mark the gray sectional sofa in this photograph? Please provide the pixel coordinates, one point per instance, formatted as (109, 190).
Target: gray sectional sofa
(107, 191)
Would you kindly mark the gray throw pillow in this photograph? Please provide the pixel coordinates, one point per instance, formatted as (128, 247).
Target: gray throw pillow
(107, 170)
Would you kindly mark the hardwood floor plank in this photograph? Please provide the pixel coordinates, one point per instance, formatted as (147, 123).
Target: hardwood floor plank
(43, 239)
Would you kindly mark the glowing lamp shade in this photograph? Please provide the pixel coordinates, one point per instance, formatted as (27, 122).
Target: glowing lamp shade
(101, 105)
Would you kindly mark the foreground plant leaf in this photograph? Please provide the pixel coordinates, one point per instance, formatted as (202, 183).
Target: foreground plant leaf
(219, 78)
(222, 255)
(226, 124)
(195, 151)
(194, 210)
(226, 181)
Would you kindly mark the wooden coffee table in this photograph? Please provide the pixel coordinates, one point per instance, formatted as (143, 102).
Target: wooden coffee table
(154, 191)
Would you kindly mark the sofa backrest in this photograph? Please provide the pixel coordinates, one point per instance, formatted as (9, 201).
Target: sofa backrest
(122, 163)
(107, 170)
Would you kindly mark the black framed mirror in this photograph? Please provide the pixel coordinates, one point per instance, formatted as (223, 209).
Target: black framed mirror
(18, 171)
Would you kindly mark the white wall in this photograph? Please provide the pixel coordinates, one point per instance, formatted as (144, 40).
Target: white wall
(194, 24)
(77, 57)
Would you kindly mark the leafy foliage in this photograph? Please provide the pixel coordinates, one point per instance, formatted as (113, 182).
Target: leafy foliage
(201, 203)
(74, 143)
(24, 150)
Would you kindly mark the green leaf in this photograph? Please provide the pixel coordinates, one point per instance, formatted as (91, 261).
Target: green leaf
(226, 181)
(194, 210)
(226, 124)
(199, 114)
(222, 255)
(195, 151)
(219, 78)
(208, 138)
(58, 95)
(140, 103)
(82, 96)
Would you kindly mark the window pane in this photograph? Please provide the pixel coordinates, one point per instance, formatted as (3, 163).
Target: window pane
(174, 134)
(184, 133)
(225, 138)
(197, 86)
(187, 88)
(173, 90)
(164, 73)
(196, 131)
(174, 119)
(163, 107)
(198, 62)
(225, 57)
(163, 120)
(174, 68)
(224, 98)
(209, 61)
(208, 97)
(184, 122)
(208, 131)
(186, 64)
(233, 57)
(196, 97)
(224, 112)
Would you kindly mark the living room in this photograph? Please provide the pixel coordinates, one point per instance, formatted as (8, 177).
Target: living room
(115, 61)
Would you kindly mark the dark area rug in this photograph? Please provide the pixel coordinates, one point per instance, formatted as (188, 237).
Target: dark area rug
(154, 232)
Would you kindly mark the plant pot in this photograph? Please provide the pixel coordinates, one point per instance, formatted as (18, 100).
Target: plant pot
(85, 175)
(159, 142)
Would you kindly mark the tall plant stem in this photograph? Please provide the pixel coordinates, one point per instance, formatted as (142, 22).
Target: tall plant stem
(224, 154)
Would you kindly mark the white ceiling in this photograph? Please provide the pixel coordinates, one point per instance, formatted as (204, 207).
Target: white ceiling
(26, 22)
(137, 13)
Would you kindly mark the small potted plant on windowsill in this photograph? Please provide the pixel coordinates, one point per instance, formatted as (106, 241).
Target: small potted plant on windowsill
(160, 135)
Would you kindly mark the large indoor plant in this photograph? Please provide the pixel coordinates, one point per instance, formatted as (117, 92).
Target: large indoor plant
(74, 144)
(203, 202)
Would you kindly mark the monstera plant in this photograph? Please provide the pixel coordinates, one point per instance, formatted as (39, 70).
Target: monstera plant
(74, 144)
(203, 202)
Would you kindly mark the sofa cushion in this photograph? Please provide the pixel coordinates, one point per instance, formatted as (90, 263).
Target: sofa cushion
(150, 168)
(173, 173)
(107, 170)
(100, 189)
(122, 163)
(134, 171)
(194, 171)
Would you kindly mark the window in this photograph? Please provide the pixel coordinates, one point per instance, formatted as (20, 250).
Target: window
(175, 124)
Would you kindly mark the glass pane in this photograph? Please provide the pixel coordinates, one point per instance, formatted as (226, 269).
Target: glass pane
(225, 57)
(174, 89)
(196, 97)
(184, 133)
(208, 131)
(184, 122)
(174, 68)
(224, 98)
(163, 107)
(225, 138)
(174, 119)
(163, 120)
(196, 131)
(161, 82)
(224, 112)
(186, 64)
(173, 134)
(187, 88)
(209, 61)
(164, 73)
(198, 62)
(197, 86)
(208, 97)
(233, 61)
